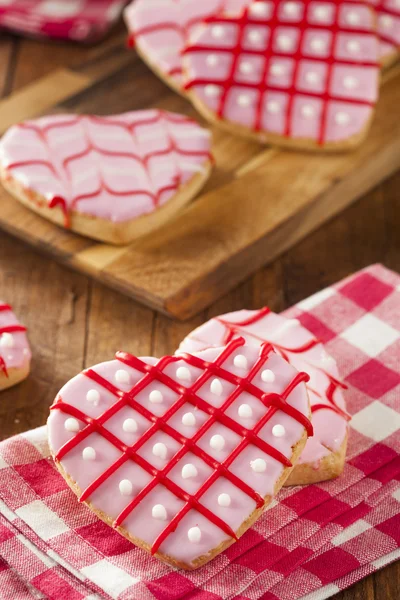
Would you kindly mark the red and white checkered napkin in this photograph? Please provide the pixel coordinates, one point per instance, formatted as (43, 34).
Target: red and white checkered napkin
(79, 20)
(312, 543)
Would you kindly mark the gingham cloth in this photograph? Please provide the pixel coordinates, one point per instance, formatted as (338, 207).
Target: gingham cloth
(313, 542)
(80, 20)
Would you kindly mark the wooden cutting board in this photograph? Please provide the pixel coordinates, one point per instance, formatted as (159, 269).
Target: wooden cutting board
(258, 203)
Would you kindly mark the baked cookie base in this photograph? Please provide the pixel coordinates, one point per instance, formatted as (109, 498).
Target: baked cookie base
(169, 81)
(13, 377)
(103, 229)
(201, 560)
(264, 137)
(329, 467)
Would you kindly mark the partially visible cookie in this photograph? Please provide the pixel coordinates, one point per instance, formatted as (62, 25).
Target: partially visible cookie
(15, 354)
(182, 454)
(324, 455)
(388, 19)
(292, 73)
(110, 178)
(160, 30)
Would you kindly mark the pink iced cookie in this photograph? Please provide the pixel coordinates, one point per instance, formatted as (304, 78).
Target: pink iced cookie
(15, 354)
(181, 455)
(160, 29)
(112, 178)
(291, 72)
(388, 15)
(324, 454)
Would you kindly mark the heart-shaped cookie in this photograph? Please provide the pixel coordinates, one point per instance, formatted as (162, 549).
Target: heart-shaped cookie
(388, 15)
(15, 354)
(324, 455)
(292, 72)
(181, 455)
(160, 30)
(111, 178)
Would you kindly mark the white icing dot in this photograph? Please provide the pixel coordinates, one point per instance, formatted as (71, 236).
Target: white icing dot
(386, 21)
(290, 8)
(7, 340)
(71, 425)
(189, 420)
(159, 512)
(312, 77)
(125, 487)
(321, 12)
(160, 450)
(284, 42)
(277, 69)
(278, 430)
(259, 9)
(245, 411)
(212, 60)
(244, 100)
(156, 397)
(26, 352)
(211, 90)
(216, 387)
(194, 534)
(350, 82)
(318, 44)
(342, 118)
(217, 31)
(183, 373)
(308, 111)
(255, 36)
(273, 107)
(189, 471)
(258, 465)
(93, 396)
(129, 426)
(217, 442)
(353, 18)
(89, 453)
(353, 46)
(122, 376)
(240, 361)
(268, 376)
(246, 67)
(224, 500)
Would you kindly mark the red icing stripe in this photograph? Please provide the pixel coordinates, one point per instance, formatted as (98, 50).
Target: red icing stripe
(242, 22)
(152, 373)
(12, 329)
(5, 307)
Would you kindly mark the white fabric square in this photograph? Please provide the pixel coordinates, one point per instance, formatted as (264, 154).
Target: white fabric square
(376, 421)
(110, 578)
(316, 299)
(351, 532)
(396, 494)
(322, 593)
(371, 335)
(42, 520)
(385, 560)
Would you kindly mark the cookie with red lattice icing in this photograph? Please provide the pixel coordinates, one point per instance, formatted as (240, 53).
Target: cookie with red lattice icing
(181, 455)
(300, 73)
(388, 16)
(15, 353)
(324, 454)
(160, 30)
(111, 178)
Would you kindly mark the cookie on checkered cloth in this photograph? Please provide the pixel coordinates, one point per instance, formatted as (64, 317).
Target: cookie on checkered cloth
(181, 455)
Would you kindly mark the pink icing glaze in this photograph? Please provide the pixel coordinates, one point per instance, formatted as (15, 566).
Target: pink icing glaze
(15, 352)
(236, 454)
(291, 72)
(330, 427)
(162, 28)
(118, 167)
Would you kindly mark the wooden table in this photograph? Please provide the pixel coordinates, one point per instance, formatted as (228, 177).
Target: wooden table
(74, 322)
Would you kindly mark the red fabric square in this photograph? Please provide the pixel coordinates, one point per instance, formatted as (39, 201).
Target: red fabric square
(374, 379)
(306, 499)
(43, 478)
(391, 527)
(292, 560)
(262, 556)
(366, 291)
(351, 516)
(171, 586)
(316, 327)
(248, 541)
(332, 564)
(373, 458)
(104, 538)
(54, 586)
(325, 512)
(5, 533)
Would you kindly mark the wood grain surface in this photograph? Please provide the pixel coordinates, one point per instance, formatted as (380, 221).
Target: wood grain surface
(257, 204)
(75, 322)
